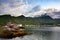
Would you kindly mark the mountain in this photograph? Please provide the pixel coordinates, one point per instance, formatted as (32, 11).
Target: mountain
(45, 16)
(22, 16)
(45, 19)
(54, 13)
(4, 19)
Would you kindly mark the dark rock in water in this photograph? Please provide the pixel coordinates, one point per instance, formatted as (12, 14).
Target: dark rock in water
(13, 34)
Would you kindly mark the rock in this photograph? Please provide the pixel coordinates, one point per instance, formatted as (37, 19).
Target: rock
(13, 34)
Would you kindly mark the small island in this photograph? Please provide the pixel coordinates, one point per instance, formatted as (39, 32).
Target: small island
(13, 30)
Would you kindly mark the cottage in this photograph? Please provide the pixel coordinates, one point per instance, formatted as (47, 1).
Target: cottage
(12, 26)
(19, 25)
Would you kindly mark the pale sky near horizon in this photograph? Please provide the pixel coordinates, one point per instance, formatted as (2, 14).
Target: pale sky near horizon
(14, 8)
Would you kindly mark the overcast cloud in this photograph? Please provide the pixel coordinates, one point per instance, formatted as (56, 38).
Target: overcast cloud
(12, 7)
(16, 8)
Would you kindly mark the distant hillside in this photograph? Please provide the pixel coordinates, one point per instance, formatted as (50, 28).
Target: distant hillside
(46, 19)
(43, 19)
(4, 19)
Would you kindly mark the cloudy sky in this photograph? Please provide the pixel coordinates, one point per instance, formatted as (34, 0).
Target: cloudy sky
(27, 7)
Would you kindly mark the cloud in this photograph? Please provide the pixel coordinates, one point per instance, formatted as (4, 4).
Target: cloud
(55, 14)
(56, 6)
(36, 8)
(16, 8)
(12, 7)
(36, 11)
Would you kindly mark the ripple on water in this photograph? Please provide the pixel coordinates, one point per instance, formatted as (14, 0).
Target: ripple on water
(27, 37)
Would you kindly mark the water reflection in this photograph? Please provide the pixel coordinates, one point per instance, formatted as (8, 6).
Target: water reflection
(47, 33)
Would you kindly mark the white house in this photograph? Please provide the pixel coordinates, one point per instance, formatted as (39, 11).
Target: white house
(19, 25)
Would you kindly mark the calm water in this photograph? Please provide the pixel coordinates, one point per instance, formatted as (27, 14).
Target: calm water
(47, 33)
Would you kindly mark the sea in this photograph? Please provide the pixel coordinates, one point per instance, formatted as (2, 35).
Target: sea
(40, 33)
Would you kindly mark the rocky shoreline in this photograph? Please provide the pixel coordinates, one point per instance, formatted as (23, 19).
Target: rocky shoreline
(12, 34)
